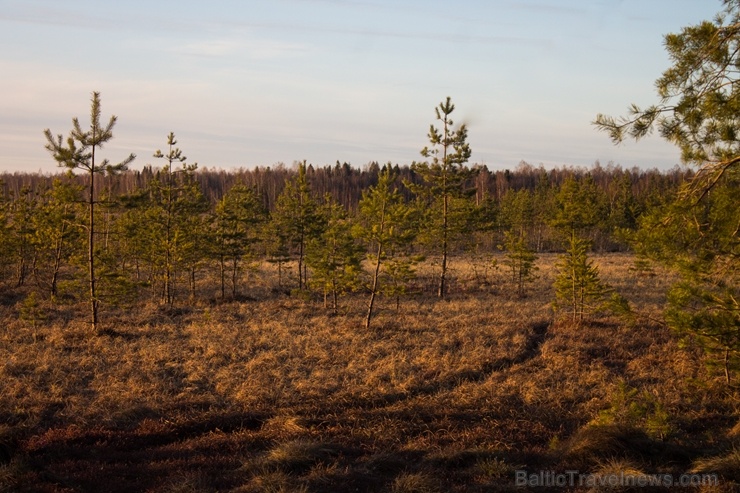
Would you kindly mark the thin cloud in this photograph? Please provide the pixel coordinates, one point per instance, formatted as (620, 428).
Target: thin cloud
(257, 49)
(408, 35)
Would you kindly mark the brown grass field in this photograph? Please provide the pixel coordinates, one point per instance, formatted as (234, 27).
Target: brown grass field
(273, 393)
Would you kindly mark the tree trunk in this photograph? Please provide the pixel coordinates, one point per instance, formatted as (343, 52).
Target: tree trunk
(334, 300)
(300, 264)
(222, 264)
(91, 249)
(727, 365)
(57, 265)
(234, 275)
(374, 289)
(445, 198)
(21, 273)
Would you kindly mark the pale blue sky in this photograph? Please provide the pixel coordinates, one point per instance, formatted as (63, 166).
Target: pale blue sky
(244, 83)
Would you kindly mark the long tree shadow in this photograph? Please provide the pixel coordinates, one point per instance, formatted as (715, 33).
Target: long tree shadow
(531, 350)
(140, 457)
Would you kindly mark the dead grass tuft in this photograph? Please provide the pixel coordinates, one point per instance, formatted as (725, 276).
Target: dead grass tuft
(299, 455)
(727, 466)
(734, 434)
(273, 482)
(495, 468)
(624, 470)
(415, 482)
(285, 426)
(594, 444)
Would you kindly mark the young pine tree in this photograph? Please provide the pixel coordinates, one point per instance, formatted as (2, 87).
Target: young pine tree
(276, 245)
(385, 226)
(57, 230)
(578, 289)
(335, 257)
(23, 209)
(297, 218)
(237, 219)
(80, 153)
(520, 258)
(517, 214)
(171, 223)
(577, 285)
(399, 272)
(444, 177)
(5, 235)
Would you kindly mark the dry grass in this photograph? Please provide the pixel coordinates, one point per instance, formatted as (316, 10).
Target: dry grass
(276, 394)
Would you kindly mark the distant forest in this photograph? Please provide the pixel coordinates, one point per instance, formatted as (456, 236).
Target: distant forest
(345, 182)
(623, 194)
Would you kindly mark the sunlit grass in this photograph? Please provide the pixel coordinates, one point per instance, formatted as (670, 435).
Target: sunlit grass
(278, 394)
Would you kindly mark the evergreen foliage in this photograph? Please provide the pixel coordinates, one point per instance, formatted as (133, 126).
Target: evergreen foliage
(56, 233)
(79, 153)
(578, 289)
(237, 220)
(171, 227)
(22, 211)
(386, 227)
(444, 177)
(517, 217)
(696, 233)
(297, 220)
(335, 257)
(521, 260)
(577, 207)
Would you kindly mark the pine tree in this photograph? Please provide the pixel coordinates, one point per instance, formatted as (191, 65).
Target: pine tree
(577, 207)
(398, 273)
(335, 257)
(385, 225)
(56, 227)
(699, 240)
(23, 210)
(170, 226)
(298, 218)
(276, 244)
(517, 213)
(79, 153)
(577, 285)
(237, 219)
(5, 233)
(696, 233)
(444, 178)
(521, 260)
(543, 207)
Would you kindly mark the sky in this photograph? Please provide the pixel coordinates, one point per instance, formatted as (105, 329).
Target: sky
(261, 82)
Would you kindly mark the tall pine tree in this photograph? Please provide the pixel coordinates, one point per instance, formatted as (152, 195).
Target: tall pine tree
(80, 152)
(444, 176)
